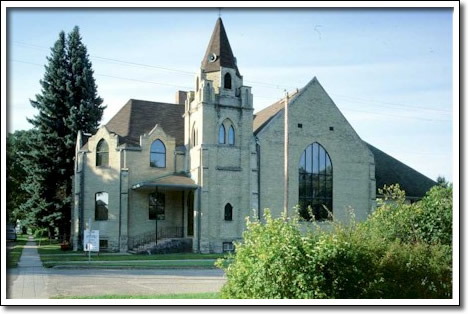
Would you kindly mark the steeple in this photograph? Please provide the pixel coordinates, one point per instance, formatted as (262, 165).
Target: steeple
(219, 52)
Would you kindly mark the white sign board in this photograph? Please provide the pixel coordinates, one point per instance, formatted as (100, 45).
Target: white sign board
(91, 240)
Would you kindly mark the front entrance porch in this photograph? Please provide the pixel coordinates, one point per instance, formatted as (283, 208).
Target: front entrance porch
(161, 215)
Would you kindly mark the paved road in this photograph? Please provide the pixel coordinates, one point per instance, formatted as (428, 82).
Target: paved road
(31, 281)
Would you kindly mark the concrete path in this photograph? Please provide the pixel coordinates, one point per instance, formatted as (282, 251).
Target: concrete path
(31, 281)
(28, 280)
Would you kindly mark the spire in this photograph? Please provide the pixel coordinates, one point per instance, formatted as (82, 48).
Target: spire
(219, 52)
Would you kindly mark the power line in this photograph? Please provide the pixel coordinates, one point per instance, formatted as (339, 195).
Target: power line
(356, 99)
(266, 85)
(142, 81)
(395, 115)
(187, 87)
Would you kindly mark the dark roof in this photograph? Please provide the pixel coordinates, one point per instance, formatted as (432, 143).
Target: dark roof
(139, 116)
(177, 181)
(389, 170)
(264, 116)
(219, 45)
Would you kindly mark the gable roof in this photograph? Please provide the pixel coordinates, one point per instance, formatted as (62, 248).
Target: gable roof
(139, 116)
(219, 45)
(265, 115)
(389, 170)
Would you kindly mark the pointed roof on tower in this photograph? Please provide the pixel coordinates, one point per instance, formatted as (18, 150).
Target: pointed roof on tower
(219, 52)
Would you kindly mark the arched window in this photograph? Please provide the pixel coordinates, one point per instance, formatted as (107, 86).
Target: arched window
(194, 137)
(315, 183)
(101, 206)
(222, 135)
(157, 206)
(227, 81)
(231, 135)
(158, 154)
(102, 154)
(228, 212)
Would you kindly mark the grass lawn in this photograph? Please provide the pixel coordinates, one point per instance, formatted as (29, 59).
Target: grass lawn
(205, 295)
(14, 251)
(51, 255)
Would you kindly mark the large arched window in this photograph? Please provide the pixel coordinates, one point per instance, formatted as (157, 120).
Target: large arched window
(101, 206)
(231, 135)
(315, 183)
(227, 81)
(222, 135)
(102, 154)
(158, 154)
(228, 212)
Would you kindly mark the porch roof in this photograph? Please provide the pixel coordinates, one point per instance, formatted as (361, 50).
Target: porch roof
(172, 182)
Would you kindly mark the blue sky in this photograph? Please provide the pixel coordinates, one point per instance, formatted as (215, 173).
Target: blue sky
(388, 70)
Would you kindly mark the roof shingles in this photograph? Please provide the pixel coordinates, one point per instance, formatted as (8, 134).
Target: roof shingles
(138, 117)
(219, 45)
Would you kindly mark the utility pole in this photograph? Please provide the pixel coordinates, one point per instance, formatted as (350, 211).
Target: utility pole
(286, 155)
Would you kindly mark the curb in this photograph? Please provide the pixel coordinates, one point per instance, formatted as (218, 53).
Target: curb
(125, 267)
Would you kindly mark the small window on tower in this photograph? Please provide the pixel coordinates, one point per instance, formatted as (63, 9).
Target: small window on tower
(221, 135)
(227, 81)
(231, 136)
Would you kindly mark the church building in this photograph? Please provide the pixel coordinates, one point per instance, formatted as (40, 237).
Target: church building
(184, 176)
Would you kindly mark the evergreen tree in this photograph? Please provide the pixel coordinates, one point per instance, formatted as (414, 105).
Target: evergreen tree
(16, 146)
(68, 103)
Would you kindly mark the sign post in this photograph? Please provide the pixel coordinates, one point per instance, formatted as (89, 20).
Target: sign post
(91, 240)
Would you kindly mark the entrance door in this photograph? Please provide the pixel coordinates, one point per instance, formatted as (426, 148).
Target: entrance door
(190, 214)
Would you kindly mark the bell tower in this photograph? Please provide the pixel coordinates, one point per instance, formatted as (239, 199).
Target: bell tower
(218, 138)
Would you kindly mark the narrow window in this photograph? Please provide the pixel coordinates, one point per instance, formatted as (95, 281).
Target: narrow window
(102, 154)
(198, 84)
(158, 155)
(222, 134)
(227, 81)
(101, 208)
(157, 205)
(194, 137)
(231, 135)
(228, 212)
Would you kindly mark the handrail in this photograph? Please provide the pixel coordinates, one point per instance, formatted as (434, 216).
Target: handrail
(148, 237)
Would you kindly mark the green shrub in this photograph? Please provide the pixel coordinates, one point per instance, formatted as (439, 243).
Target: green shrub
(429, 220)
(41, 233)
(270, 263)
(402, 251)
(413, 271)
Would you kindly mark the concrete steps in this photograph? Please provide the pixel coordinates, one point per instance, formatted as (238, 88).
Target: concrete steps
(172, 245)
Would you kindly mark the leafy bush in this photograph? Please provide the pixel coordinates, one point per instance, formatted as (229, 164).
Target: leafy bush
(387, 256)
(41, 233)
(429, 220)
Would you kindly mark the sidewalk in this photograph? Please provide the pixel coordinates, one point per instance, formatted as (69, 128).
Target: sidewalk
(28, 280)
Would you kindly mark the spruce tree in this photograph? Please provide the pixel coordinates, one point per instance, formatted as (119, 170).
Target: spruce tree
(16, 146)
(68, 103)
